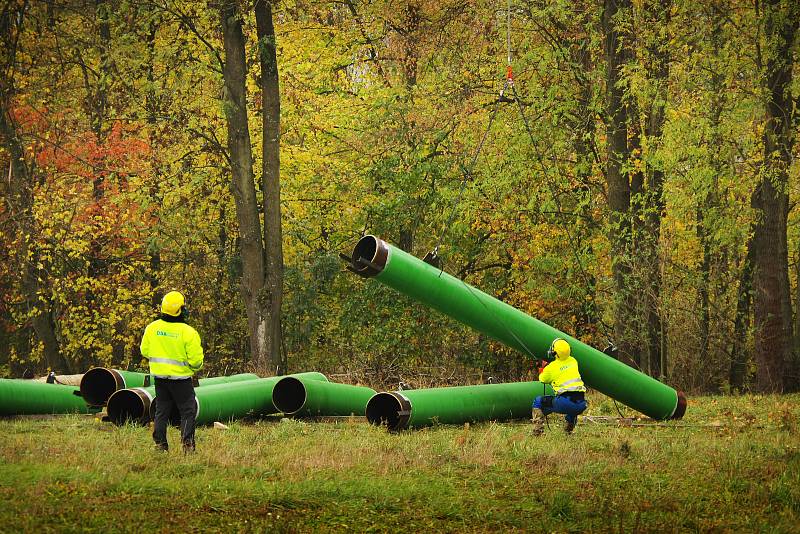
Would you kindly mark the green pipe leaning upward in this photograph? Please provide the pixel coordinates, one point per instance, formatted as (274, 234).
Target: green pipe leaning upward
(301, 397)
(374, 258)
(415, 408)
(217, 400)
(29, 397)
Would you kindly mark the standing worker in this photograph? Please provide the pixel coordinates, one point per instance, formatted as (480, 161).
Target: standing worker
(562, 373)
(175, 354)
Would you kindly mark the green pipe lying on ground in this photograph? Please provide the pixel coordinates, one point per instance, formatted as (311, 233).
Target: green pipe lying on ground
(374, 258)
(99, 383)
(133, 404)
(130, 405)
(415, 408)
(219, 399)
(29, 397)
(300, 396)
(230, 379)
(232, 401)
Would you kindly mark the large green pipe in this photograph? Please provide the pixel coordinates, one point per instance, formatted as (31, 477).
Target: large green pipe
(28, 397)
(219, 402)
(216, 380)
(415, 408)
(299, 396)
(231, 401)
(133, 404)
(99, 383)
(372, 257)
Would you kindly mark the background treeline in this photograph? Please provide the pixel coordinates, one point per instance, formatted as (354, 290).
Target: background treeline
(647, 197)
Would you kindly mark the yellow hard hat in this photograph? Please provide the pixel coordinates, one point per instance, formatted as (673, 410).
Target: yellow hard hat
(172, 303)
(561, 348)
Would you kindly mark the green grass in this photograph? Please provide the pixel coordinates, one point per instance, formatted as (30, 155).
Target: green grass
(733, 464)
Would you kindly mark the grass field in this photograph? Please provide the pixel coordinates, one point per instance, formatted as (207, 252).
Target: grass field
(732, 465)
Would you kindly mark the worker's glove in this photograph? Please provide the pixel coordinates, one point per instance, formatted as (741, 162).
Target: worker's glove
(540, 365)
(195, 381)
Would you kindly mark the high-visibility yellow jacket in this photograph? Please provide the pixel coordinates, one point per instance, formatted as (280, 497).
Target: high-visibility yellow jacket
(173, 348)
(563, 375)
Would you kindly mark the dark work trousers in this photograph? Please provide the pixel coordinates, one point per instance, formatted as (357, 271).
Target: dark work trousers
(174, 397)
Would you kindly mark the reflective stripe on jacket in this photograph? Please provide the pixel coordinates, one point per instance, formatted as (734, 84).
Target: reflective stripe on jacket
(173, 349)
(563, 375)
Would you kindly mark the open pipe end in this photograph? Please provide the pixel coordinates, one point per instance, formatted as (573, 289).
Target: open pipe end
(129, 405)
(98, 384)
(680, 409)
(391, 409)
(369, 256)
(289, 395)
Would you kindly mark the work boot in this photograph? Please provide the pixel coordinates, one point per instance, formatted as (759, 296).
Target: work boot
(569, 426)
(188, 447)
(537, 418)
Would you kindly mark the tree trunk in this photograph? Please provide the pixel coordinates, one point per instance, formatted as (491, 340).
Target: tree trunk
(39, 308)
(152, 106)
(772, 296)
(707, 204)
(584, 128)
(411, 19)
(20, 198)
(616, 180)
(270, 181)
(97, 104)
(703, 289)
(240, 156)
(655, 206)
(737, 376)
(635, 289)
(792, 379)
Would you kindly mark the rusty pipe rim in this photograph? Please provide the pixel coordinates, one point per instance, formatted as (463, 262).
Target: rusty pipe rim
(99, 383)
(369, 256)
(680, 408)
(129, 405)
(391, 409)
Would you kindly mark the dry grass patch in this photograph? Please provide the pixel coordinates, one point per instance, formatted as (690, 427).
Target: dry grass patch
(297, 476)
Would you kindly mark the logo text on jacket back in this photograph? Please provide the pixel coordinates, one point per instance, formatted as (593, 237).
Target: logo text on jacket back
(166, 334)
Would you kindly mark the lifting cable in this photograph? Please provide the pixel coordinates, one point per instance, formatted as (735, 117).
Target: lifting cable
(560, 216)
(433, 258)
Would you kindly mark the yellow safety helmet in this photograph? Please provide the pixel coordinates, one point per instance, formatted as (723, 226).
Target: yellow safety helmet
(172, 303)
(559, 348)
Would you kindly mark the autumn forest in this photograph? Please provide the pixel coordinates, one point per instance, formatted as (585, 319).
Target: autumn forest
(631, 179)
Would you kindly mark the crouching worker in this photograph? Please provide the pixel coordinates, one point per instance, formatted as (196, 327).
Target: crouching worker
(562, 373)
(175, 354)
